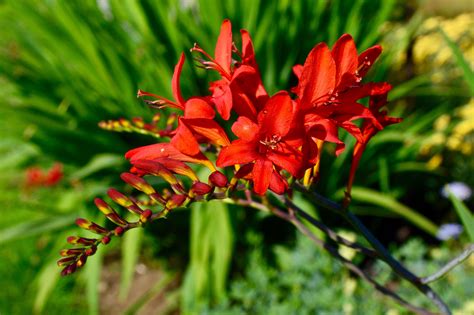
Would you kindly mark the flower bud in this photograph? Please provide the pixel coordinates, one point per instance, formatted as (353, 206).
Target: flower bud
(109, 212)
(146, 214)
(90, 251)
(69, 269)
(81, 261)
(137, 183)
(119, 231)
(119, 198)
(175, 201)
(66, 261)
(91, 226)
(71, 252)
(106, 239)
(218, 179)
(76, 240)
(200, 188)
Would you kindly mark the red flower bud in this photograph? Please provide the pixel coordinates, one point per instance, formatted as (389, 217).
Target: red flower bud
(91, 226)
(66, 261)
(137, 182)
(119, 198)
(119, 231)
(146, 214)
(105, 240)
(200, 188)
(109, 212)
(76, 240)
(218, 179)
(69, 269)
(175, 201)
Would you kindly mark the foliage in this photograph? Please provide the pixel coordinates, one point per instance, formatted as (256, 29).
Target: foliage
(305, 279)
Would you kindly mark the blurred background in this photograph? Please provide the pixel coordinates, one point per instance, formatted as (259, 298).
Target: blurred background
(67, 65)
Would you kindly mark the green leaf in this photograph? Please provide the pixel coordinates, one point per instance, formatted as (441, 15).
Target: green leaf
(370, 196)
(92, 274)
(131, 245)
(35, 227)
(48, 275)
(460, 60)
(211, 251)
(98, 163)
(464, 214)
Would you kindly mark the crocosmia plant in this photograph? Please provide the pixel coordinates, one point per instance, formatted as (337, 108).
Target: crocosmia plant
(258, 148)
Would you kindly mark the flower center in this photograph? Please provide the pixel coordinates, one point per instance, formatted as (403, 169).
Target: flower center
(271, 142)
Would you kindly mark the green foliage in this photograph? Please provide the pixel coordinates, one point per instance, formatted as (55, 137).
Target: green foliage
(305, 280)
(465, 215)
(211, 253)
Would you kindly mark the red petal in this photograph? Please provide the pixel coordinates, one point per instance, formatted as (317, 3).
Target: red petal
(222, 98)
(223, 51)
(209, 129)
(318, 78)
(248, 53)
(278, 184)
(298, 70)
(245, 129)
(163, 150)
(238, 152)
(344, 53)
(175, 81)
(289, 160)
(184, 140)
(367, 59)
(198, 108)
(277, 115)
(246, 83)
(262, 174)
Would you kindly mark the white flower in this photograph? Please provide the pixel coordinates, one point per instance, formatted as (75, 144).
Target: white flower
(448, 231)
(458, 189)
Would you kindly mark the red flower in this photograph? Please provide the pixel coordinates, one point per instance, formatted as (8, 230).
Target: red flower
(328, 90)
(240, 87)
(197, 124)
(369, 129)
(36, 177)
(165, 151)
(268, 144)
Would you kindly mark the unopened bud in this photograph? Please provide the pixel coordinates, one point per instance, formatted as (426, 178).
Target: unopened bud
(71, 252)
(119, 230)
(69, 269)
(91, 226)
(76, 240)
(90, 251)
(66, 261)
(119, 198)
(218, 179)
(175, 201)
(137, 182)
(200, 188)
(146, 214)
(105, 240)
(81, 261)
(109, 212)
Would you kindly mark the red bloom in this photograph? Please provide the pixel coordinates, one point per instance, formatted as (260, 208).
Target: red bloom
(197, 124)
(328, 90)
(163, 152)
(36, 177)
(240, 87)
(376, 102)
(268, 144)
